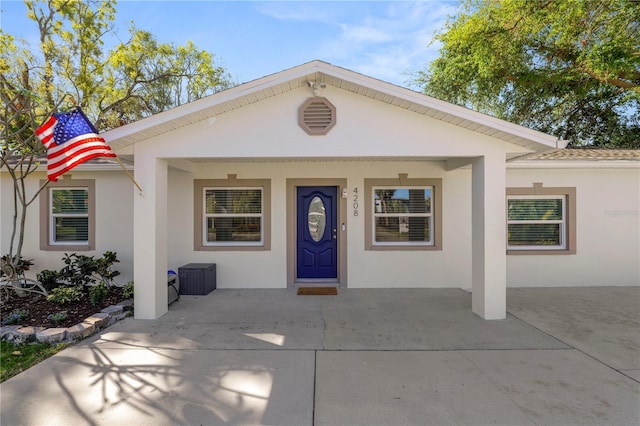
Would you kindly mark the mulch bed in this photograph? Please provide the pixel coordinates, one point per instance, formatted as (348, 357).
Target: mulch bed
(39, 309)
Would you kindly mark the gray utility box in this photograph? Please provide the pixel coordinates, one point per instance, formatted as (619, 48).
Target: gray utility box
(197, 278)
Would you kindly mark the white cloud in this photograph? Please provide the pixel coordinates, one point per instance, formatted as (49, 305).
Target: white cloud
(364, 34)
(386, 40)
(391, 44)
(295, 11)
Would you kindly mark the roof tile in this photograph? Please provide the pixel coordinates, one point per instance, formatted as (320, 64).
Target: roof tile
(588, 154)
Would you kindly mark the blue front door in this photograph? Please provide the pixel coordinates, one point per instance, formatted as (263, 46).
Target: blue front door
(317, 232)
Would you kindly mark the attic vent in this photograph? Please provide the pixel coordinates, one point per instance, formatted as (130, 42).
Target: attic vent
(317, 116)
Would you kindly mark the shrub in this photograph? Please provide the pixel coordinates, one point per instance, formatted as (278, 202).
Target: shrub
(103, 268)
(49, 279)
(97, 294)
(84, 270)
(57, 317)
(62, 295)
(127, 290)
(78, 270)
(16, 316)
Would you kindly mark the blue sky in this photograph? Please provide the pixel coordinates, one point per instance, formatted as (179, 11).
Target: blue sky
(388, 40)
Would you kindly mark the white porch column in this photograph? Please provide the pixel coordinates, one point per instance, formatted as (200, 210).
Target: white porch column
(488, 236)
(150, 237)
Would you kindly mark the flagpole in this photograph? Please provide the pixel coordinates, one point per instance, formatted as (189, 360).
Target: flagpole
(128, 174)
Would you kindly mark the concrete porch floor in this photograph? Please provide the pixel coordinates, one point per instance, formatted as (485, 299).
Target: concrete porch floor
(365, 357)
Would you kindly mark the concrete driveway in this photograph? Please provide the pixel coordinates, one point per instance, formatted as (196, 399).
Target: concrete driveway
(365, 357)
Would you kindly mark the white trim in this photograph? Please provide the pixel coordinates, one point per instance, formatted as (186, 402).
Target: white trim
(206, 216)
(376, 215)
(562, 222)
(53, 216)
(293, 78)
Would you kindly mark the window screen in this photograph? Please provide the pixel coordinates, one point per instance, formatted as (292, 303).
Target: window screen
(403, 215)
(69, 215)
(233, 215)
(536, 222)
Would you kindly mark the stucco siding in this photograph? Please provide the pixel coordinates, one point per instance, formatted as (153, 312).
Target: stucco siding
(267, 269)
(607, 234)
(364, 128)
(114, 222)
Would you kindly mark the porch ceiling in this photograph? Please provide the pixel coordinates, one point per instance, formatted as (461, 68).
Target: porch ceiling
(317, 71)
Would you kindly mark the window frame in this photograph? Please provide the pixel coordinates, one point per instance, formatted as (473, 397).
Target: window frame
(568, 223)
(403, 182)
(47, 217)
(207, 216)
(231, 183)
(561, 222)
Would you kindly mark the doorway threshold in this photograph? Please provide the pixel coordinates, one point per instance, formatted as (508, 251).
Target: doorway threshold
(316, 282)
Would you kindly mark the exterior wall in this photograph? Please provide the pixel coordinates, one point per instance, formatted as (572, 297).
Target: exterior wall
(365, 128)
(608, 230)
(608, 227)
(114, 222)
(267, 269)
(371, 140)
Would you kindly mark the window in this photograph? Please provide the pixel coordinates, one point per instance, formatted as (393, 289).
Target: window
(536, 222)
(232, 214)
(540, 220)
(403, 214)
(67, 215)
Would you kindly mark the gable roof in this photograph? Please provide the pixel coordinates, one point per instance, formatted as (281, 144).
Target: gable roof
(331, 75)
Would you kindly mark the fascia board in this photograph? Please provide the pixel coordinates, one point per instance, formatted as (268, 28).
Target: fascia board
(448, 108)
(207, 102)
(543, 139)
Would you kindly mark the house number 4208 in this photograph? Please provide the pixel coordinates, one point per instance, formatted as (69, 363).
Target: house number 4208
(355, 201)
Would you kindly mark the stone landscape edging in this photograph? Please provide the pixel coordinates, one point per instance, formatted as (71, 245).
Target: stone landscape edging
(89, 326)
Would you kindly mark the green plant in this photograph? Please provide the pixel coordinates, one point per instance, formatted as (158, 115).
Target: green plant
(14, 266)
(78, 269)
(49, 279)
(57, 317)
(103, 268)
(15, 317)
(83, 270)
(127, 290)
(97, 294)
(62, 295)
(14, 281)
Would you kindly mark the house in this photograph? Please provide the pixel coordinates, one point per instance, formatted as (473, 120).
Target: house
(320, 175)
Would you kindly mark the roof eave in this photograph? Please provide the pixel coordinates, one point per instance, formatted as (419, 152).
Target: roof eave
(532, 140)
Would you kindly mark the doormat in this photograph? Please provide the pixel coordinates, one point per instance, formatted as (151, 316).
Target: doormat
(317, 291)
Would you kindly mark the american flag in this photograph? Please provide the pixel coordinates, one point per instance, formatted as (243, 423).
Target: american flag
(70, 139)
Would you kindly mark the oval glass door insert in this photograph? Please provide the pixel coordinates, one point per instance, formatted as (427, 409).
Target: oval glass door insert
(317, 218)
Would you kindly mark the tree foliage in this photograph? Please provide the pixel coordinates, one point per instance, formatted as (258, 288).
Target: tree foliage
(80, 55)
(19, 147)
(566, 67)
(79, 59)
